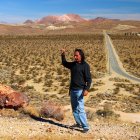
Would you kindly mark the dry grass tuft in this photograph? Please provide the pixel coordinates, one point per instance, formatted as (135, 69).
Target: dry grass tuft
(31, 111)
(5, 112)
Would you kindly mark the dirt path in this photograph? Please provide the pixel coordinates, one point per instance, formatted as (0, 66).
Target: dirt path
(115, 65)
(130, 117)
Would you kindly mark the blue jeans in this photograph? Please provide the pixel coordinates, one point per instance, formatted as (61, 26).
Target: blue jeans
(77, 103)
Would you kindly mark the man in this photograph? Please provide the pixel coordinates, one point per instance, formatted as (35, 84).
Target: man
(79, 86)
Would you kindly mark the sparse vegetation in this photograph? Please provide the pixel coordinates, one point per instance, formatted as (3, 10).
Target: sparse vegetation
(33, 63)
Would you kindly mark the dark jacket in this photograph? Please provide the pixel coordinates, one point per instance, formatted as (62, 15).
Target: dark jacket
(80, 74)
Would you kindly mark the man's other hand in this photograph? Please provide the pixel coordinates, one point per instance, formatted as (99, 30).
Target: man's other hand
(85, 93)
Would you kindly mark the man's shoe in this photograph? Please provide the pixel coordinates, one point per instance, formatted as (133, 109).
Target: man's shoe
(85, 130)
(76, 125)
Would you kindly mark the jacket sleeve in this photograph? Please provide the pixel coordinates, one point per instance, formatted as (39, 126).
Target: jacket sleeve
(87, 77)
(65, 63)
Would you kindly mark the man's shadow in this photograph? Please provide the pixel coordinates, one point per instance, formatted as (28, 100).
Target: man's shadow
(54, 123)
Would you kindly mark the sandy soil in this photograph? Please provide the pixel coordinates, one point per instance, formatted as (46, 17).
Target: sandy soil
(41, 128)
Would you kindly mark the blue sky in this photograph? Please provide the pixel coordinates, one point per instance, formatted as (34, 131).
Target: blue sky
(17, 11)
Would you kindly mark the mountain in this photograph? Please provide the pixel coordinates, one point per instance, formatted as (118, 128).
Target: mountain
(60, 19)
(69, 23)
(28, 21)
(102, 19)
(67, 18)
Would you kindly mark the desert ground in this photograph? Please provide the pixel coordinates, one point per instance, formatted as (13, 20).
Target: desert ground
(112, 114)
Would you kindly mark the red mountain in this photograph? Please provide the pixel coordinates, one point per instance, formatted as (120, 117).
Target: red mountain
(60, 19)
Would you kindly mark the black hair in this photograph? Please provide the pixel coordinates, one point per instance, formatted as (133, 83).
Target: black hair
(81, 53)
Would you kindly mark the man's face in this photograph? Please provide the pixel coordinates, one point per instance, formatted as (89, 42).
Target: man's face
(77, 57)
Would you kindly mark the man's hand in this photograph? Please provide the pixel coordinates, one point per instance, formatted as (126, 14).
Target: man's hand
(85, 93)
(63, 51)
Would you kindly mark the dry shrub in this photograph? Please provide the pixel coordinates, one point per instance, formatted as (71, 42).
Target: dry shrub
(5, 112)
(107, 112)
(31, 111)
(52, 110)
(90, 115)
(2, 100)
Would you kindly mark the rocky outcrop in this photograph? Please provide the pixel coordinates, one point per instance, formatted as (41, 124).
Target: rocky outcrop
(12, 99)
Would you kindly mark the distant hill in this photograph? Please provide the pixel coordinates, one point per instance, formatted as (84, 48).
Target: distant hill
(102, 19)
(28, 21)
(67, 18)
(70, 23)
